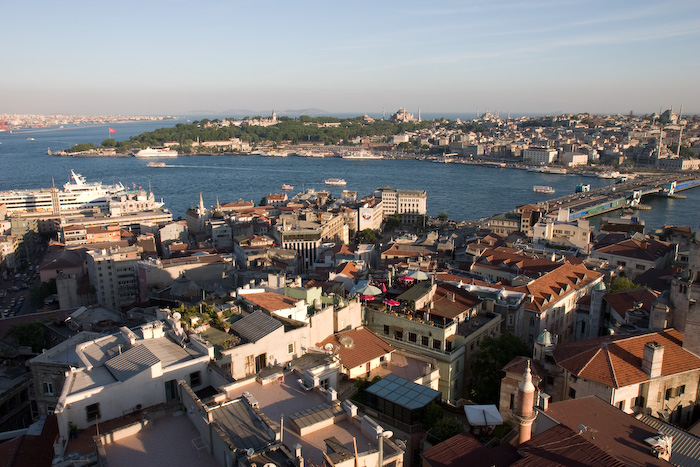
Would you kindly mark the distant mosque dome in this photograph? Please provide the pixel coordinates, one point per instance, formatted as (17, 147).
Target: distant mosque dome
(545, 338)
(184, 287)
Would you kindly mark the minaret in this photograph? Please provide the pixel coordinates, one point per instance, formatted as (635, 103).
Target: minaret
(419, 120)
(524, 410)
(201, 204)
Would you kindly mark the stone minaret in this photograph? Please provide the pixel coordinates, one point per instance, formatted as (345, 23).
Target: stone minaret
(524, 410)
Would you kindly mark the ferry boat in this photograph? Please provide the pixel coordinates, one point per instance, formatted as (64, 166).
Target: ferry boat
(361, 156)
(548, 170)
(156, 152)
(335, 182)
(543, 189)
(287, 187)
(76, 194)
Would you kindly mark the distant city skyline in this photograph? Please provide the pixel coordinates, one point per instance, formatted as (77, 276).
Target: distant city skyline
(178, 57)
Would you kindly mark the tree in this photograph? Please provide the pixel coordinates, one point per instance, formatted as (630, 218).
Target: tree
(392, 222)
(494, 354)
(367, 236)
(32, 334)
(620, 284)
(39, 292)
(443, 216)
(445, 429)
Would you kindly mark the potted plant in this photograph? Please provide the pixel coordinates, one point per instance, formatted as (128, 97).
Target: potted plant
(72, 430)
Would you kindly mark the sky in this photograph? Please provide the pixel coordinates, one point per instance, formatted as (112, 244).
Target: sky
(155, 57)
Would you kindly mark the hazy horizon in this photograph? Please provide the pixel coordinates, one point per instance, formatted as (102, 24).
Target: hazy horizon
(179, 58)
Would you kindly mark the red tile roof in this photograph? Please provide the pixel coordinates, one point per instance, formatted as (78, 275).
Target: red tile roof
(465, 450)
(366, 346)
(450, 301)
(646, 250)
(616, 361)
(561, 445)
(609, 428)
(515, 261)
(270, 301)
(623, 301)
(556, 284)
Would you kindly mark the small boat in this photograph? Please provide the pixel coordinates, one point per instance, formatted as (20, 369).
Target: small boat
(155, 164)
(543, 189)
(287, 187)
(335, 182)
(30, 139)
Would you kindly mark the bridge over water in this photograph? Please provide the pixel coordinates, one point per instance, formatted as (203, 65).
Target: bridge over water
(630, 193)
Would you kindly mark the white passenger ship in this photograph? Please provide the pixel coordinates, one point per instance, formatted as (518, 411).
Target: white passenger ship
(76, 194)
(156, 152)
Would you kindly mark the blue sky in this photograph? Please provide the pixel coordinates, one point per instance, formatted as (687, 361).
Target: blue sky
(176, 56)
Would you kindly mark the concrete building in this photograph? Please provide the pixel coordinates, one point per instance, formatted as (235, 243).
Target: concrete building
(113, 274)
(638, 254)
(433, 325)
(539, 156)
(410, 205)
(553, 300)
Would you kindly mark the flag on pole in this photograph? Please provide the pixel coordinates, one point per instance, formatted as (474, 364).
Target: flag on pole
(112, 130)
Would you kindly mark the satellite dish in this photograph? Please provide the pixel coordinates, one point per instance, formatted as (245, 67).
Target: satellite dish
(328, 347)
(250, 451)
(387, 434)
(177, 315)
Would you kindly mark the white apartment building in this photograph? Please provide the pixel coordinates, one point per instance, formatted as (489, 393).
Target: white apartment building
(370, 216)
(409, 204)
(571, 159)
(113, 274)
(540, 156)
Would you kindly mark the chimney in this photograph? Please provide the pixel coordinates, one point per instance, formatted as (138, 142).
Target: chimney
(643, 244)
(653, 359)
(524, 410)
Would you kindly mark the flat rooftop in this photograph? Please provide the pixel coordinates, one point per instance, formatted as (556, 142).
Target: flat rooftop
(149, 446)
(286, 397)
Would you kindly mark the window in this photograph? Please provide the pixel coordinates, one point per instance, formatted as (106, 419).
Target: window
(195, 379)
(681, 390)
(51, 409)
(437, 344)
(412, 337)
(621, 405)
(640, 267)
(386, 329)
(622, 263)
(424, 340)
(48, 388)
(572, 393)
(532, 321)
(93, 412)
(638, 401)
(512, 402)
(398, 335)
(290, 348)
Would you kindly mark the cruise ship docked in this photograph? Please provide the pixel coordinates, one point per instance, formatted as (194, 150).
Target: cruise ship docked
(77, 194)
